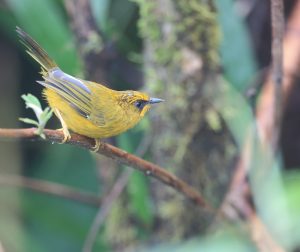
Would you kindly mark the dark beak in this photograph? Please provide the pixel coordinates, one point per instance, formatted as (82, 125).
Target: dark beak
(155, 100)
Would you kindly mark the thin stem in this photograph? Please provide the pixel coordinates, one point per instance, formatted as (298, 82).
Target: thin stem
(49, 188)
(105, 209)
(109, 199)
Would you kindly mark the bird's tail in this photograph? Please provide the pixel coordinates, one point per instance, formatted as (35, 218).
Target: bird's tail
(36, 51)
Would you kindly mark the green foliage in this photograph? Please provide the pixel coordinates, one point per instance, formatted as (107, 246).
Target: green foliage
(138, 187)
(122, 13)
(276, 198)
(224, 241)
(235, 110)
(52, 31)
(115, 20)
(38, 222)
(237, 56)
(43, 116)
(100, 10)
(57, 224)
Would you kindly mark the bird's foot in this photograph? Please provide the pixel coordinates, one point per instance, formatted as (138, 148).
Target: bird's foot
(67, 135)
(64, 129)
(97, 145)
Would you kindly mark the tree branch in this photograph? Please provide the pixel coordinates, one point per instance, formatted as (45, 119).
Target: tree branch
(116, 154)
(50, 188)
(277, 70)
(265, 112)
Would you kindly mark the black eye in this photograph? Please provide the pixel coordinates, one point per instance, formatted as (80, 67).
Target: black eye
(139, 104)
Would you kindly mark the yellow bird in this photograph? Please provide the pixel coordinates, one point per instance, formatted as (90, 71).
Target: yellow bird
(85, 107)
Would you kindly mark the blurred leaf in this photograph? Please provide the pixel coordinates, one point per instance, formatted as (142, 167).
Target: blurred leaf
(29, 121)
(122, 13)
(235, 110)
(124, 18)
(44, 21)
(54, 223)
(138, 190)
(227, 241)
(237, 55)
(100, 10)
(116, 20)
(138, 187)
(292, 186)
(7, 22)
(278, 198)
(13, 233)
(72, 166)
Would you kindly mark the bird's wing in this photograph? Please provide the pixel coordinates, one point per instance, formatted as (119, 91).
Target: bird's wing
(71, 89)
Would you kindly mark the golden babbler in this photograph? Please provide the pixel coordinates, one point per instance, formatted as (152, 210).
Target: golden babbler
(86, 107)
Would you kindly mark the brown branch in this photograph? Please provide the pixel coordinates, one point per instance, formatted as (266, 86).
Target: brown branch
(49, 188)
(277, 19)
(236, 203)
(118, 155)
(263, 239)
(1, 247)
(291, 59)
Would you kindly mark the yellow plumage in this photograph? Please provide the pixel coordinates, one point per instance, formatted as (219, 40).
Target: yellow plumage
(86, 107)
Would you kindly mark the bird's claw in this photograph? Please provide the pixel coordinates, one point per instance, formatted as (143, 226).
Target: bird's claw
(67, 135)
(97, 145)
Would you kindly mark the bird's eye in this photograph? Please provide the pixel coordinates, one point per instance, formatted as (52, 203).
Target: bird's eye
(139, 104)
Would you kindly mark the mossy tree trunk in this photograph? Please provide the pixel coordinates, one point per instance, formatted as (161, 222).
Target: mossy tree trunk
(181, 63)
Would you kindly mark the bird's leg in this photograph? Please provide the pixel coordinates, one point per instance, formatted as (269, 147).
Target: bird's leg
(97, 145)
(64, 129)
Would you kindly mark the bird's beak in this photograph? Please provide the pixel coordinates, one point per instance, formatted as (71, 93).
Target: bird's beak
(155, 100)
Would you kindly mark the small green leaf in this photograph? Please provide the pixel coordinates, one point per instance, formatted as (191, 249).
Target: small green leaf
(29, 121)
(32, 102)
(31, 99)
(46, 115)
(43, 116)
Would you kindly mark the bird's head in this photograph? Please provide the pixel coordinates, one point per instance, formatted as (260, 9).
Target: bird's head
(137, 102)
